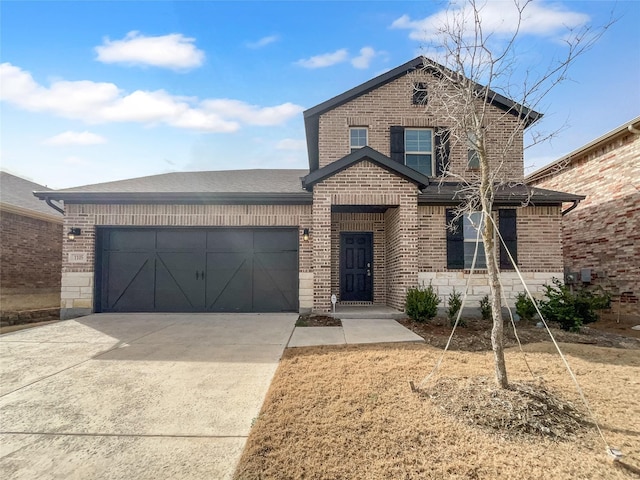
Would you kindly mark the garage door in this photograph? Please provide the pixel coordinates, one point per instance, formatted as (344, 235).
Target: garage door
(197, 270)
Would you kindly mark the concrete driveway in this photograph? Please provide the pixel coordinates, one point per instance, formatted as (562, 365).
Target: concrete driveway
(136, 396)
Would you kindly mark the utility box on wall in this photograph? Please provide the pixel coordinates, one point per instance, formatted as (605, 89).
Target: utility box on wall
(585, 275)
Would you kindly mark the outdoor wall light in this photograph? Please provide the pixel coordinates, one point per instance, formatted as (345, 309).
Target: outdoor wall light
(73, 233)
(305, 234)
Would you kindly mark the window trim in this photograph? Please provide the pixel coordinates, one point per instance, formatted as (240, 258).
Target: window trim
(466, 240)
(472, 153)
(353, 148)
(432, 153)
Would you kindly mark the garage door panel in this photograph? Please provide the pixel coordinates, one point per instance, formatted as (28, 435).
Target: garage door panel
(275, 241)
(275, 289)
(230, 240)
(229, 286)
(183, 269)
(134, 239)
(180, 281)
(181, 240)
(130, 282)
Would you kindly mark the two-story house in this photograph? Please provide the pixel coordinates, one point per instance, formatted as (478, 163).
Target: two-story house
(367, 221)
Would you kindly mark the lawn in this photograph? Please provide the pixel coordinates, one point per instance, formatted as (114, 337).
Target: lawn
(348, 412)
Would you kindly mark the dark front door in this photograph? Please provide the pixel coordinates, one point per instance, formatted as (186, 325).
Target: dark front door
(197, 270)
(356, 267)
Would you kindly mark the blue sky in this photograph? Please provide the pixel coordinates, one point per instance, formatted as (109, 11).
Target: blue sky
(99, 91)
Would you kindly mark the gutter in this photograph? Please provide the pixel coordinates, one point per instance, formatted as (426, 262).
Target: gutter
(55, 207)
(575, 204)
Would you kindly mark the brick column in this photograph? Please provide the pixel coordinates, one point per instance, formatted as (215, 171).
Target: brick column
(321, 236)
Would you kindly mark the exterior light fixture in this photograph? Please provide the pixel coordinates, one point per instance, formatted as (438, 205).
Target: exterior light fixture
(305, 234)
(73, 233)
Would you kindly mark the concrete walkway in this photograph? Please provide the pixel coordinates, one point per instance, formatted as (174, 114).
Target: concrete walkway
(354, 331)
(138, 396)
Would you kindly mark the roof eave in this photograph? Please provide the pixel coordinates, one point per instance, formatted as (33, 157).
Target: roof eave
(301, 198)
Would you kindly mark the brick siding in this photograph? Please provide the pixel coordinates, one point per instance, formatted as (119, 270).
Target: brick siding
(30, 262)
(77, 278)
(603, 232)
(391, 104)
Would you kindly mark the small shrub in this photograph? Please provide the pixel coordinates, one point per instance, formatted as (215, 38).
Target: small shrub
(422, 303)
(485, 308)
(571, 310)
(524, 306)
(454, 302)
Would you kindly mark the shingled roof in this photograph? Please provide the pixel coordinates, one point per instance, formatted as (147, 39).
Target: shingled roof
(16, 195)
(253, 186)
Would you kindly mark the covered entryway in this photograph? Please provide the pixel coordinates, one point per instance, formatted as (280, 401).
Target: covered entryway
(197, 270)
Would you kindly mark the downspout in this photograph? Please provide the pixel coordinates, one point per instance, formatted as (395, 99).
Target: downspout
(575, 204)
(55, 207)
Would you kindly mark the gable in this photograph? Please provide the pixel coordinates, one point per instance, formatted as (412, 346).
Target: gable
(392, 170)
(415, 69)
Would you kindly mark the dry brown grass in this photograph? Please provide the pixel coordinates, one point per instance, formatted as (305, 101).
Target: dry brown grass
(349, 413)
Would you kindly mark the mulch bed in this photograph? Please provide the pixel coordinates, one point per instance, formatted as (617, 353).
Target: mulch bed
(314, 320)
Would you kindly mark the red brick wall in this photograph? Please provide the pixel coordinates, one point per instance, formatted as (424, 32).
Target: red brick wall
(603, 232)
(30, 262)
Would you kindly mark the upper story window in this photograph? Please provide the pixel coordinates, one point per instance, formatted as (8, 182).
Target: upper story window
(418, 150)
(357, 138)
(473, 160)
(419, 93)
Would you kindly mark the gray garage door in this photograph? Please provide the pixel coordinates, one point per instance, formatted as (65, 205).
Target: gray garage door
(197, 270)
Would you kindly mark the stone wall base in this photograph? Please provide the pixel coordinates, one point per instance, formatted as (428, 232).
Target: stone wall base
(444, 283)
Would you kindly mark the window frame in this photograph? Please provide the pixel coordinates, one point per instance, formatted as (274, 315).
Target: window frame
(431, 153)
(353, 148)
(481, 261)
(473, 159)
(420, 94)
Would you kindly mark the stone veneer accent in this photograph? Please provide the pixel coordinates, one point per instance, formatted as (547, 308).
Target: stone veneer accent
(78, 278)
(391, 104)
(603, 232)
(444, 283)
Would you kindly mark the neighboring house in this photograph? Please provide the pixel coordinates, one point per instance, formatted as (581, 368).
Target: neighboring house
(367, 221)
(601, 236)
(30, 252)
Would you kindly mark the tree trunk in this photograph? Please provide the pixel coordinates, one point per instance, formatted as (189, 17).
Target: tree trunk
(493, 271)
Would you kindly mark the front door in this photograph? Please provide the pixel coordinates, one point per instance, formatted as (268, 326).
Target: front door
(356, 267)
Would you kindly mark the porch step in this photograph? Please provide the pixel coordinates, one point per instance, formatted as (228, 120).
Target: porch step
(366, 312)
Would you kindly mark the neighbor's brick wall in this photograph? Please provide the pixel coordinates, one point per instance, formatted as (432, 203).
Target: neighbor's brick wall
(30, 262)
(360, 222)
(391, 104)
(603, 232)
(365, 184)
(77, 279)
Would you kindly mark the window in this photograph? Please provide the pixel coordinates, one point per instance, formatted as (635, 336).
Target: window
(357, 138)
(471, 222)
(461, 239)
(419, 94)
(418, 150)
(473, 160)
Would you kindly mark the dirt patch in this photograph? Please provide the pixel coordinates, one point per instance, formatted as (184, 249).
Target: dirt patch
(314, 320)
(349, 412)
(476, 335)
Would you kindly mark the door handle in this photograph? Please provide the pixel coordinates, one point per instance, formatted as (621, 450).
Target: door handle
(368, 272)
(197, 275)
(202, 274)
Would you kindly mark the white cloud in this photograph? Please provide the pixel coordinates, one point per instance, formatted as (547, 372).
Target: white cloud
(99, 102)
(75, 138)
(366, 55)
(291, 144)
(498, 18)
(263, 42)
(173, 51)
(325, 60)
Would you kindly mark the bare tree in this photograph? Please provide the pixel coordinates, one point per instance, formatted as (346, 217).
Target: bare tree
(473, 69)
